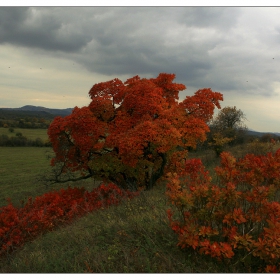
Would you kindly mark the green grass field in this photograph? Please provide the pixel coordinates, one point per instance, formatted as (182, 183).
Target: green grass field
(27, 132)
(134, 237)
(21, 169)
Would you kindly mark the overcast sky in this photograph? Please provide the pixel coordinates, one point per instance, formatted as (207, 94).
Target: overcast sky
(52, 56)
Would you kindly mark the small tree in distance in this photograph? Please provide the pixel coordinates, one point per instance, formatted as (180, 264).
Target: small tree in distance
(229, 124)
(131, 133)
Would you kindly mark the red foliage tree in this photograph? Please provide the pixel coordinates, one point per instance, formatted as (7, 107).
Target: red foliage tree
(131, 133)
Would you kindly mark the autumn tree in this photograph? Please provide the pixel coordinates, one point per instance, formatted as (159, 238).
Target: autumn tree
(230, 124)
(131, 133)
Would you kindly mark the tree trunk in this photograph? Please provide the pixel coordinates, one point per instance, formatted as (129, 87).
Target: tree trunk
(154, 176)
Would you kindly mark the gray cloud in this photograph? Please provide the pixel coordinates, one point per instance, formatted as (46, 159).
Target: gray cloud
(40, 28)
(141, 40)
(214, 47)
(110, 35)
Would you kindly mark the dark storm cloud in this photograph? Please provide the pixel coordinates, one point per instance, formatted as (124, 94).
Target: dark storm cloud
(39, 28)
(152, 40)
(203, 46)
(114, 39)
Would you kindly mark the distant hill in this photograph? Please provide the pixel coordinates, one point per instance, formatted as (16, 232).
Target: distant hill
(55, 112)
(260, 134)
(38, 110)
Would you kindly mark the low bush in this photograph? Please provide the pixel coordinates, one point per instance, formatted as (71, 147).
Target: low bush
(46, 212)
(237, 220)
(259, 148)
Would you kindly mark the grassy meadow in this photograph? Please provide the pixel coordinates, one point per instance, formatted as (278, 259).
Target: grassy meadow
(20, 168)
(133, 237)
(21, 171)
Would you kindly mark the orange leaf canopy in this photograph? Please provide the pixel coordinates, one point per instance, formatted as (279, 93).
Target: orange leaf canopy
(140, 122)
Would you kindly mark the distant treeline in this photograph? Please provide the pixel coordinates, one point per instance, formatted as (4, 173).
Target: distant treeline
(21, 141)
(25, 119)
(13, 114)
(26, 123)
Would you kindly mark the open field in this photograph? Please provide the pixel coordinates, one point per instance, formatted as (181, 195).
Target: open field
(19, 168)
(133, 237)
(20, 171)
(27, 132)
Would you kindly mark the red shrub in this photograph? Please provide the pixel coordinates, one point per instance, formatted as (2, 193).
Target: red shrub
(238, 219)
(18, 225)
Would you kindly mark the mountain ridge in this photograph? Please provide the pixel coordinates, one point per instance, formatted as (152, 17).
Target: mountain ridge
(32, 108)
